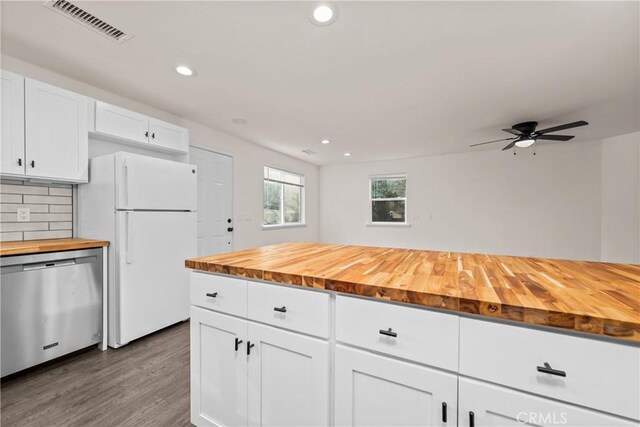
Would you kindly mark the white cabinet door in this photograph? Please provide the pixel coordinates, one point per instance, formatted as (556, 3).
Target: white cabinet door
(483, 404)
(121, 123)
(166, 135)
(218, 369)
(57, 133)
(12, 114)
(372, 390)
(288, 378)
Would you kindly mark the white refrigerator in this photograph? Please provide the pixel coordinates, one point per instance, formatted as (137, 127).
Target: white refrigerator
(146, 208)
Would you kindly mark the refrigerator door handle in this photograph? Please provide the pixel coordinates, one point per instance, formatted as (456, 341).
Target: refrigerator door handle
(126, 185)
(128, 249)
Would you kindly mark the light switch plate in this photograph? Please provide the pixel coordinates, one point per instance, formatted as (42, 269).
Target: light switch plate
(24, 214)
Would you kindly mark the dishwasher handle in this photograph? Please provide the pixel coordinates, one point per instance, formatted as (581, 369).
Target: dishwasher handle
(49, 264)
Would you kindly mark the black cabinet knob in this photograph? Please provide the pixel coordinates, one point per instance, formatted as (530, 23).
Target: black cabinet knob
(19, 162)
(146, 134)
(230, 229)
(238, 342)
(33, 163)
(229, 220)
(249, 347)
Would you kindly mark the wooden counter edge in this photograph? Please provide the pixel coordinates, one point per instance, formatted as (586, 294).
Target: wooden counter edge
(49, 245)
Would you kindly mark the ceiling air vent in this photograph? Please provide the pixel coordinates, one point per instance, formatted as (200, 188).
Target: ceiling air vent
(86, 19)
(309, 152)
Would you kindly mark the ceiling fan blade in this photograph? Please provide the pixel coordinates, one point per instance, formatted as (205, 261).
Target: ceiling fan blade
(556, 137)
(513, 131)
(490, 142)
(562, 127)
(509, 146)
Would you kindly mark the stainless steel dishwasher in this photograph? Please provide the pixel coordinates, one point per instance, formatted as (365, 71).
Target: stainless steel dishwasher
(51, 306)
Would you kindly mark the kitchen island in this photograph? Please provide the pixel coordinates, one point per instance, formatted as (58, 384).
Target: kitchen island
(347, 335)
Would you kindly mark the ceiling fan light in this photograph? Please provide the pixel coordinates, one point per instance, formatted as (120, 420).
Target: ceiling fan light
(524, 143)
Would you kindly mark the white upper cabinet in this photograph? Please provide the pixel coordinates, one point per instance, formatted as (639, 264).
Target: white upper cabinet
(169, 136)
(57, 133)
(134, 128)
(45, 131)
(12, 114)
(120, 123)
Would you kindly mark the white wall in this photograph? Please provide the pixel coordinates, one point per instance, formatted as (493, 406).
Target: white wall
(486, 201)
(249, 160)
(621, 199)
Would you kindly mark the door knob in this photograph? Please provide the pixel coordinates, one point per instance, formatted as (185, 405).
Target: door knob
(230, 229)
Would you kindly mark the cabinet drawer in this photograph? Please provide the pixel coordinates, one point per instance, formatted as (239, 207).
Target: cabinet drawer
(296, 309)
(219, 293)
(600, 375)
(416, 334)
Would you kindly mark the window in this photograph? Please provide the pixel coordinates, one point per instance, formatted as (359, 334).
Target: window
(388, 199)
(283, 199)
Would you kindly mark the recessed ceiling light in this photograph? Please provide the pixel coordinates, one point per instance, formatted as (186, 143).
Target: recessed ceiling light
(325, 141)
(323, 14)
(239, 121)
(185, 71)
(525, 143)
(347, 154)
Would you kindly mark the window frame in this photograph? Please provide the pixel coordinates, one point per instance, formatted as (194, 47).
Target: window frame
(282, 224)
(372, 178)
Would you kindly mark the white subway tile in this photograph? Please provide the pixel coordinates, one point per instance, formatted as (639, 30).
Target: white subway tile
(54, 200)
(12, 207)
(10, 198)
(61, 209)
(51, 217)
(8, 217)
(53, 191)
(24, 226)
(5, 237)
(60, 225)
(23, 189)
(11, 181)
(35, 235)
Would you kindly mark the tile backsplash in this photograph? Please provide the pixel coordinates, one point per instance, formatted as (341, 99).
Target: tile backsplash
(50, 206)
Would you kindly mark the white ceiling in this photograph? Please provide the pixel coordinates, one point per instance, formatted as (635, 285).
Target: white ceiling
(386, 80)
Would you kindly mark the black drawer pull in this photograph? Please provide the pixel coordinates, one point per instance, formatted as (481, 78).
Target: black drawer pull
(238, 342)
(282, 309)
(444, 412)
(19, 162)
(389, 333)
(249, 347)
(33, 163)
(472, 419)
(547, 369)
(212, 294)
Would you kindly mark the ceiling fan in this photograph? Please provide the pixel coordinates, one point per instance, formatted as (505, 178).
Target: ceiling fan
(526, 134)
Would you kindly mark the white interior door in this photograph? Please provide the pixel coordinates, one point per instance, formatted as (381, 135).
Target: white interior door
(215, 201)
(373, 390)
(218, 369)
(150, 183)
(288, 378)
(153, 284)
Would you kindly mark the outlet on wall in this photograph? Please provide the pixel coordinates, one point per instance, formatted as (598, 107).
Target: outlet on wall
(24, 214)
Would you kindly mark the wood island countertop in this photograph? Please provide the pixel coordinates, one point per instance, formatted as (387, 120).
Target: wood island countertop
(592, 297)
(48, 245)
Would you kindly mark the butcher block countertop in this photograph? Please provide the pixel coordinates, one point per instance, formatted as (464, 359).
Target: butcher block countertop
(592, 297)
(49, 245)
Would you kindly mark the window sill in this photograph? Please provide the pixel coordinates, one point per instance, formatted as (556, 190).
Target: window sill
(281, 226)
(389, 224)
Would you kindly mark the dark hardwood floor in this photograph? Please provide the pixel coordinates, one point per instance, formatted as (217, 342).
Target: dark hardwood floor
(145, 383)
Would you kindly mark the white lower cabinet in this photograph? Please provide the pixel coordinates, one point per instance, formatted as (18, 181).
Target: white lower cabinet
(483, 404)
(244, 373)
(218, 369)
(372, 390)
(288, 378)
